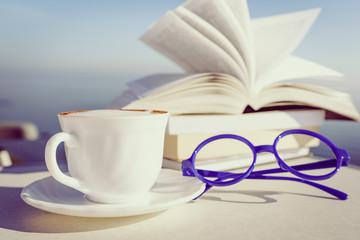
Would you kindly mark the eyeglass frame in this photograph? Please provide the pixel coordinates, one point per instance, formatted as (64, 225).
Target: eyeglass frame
(342, 159)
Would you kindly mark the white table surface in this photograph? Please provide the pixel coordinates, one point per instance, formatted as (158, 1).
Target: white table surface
(252, 209)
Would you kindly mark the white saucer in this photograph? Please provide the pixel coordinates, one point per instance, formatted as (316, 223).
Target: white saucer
(170, 189)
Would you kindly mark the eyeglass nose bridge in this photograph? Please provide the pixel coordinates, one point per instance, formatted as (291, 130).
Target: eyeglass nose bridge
(264, 148)
(270, 149)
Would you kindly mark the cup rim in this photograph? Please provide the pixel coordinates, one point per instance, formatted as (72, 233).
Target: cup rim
(152, 112)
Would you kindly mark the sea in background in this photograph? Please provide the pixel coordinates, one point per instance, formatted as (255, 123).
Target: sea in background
(39, 98)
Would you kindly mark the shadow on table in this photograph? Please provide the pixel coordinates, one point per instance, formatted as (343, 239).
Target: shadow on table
(17, 215)
(251, 197)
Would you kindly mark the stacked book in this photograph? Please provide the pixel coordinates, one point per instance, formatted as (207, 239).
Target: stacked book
(236, 69)
(184, 133)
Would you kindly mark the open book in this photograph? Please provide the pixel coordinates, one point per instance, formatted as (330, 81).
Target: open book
(233, 62)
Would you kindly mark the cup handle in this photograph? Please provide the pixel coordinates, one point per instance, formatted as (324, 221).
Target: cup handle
(51, 162)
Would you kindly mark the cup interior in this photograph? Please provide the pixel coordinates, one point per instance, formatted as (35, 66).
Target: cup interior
(112, 113)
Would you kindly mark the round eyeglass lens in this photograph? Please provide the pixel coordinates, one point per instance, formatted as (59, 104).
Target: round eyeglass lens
(310, 150)
(225, 153)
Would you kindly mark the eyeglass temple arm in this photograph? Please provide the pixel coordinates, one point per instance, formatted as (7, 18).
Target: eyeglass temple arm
(259, 175)
(336, 193)
(331, 191)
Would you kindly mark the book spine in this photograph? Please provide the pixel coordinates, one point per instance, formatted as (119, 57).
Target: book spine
(245, 122)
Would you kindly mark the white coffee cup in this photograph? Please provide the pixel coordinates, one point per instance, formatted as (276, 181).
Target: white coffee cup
(113, 155)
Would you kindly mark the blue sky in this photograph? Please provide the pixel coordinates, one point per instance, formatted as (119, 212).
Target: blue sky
(102, 36)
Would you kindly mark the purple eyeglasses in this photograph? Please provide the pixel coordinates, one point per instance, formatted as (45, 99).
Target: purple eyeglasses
(221, 178)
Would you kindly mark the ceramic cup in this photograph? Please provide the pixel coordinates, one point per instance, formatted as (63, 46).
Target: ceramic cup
(113, 156)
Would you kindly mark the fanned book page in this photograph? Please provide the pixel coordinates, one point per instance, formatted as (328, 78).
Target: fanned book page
(232, 62)
(276, 37)
(186, 46)
(211, 33)
(215, 36)
(234, 25)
